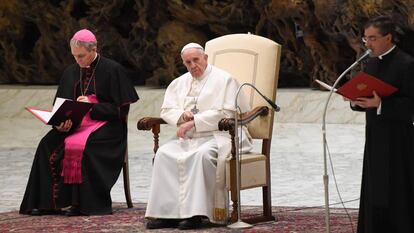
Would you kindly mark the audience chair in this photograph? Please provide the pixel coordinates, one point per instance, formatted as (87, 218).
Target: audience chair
(125, 169)
(125, 175)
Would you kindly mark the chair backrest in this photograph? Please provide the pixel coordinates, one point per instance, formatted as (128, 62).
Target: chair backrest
(252, 59)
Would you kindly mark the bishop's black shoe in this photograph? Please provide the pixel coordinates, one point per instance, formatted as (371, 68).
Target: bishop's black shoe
(191, 223)
(159, 223)
(73, 211)
(35, 212)
(40, 212)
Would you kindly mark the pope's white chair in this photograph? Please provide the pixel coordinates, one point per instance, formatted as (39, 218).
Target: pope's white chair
(255, 60)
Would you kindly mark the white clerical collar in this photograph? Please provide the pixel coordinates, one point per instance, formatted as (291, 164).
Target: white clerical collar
(389, 51)
(205, 74)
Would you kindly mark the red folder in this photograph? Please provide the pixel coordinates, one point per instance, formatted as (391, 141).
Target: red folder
(363, 84)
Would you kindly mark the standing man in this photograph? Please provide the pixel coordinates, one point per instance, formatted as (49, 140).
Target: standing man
(188, 171)
(77, 165)
(387, 193)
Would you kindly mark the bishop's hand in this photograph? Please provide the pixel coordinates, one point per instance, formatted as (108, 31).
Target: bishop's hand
(64, 126)
(83, 98)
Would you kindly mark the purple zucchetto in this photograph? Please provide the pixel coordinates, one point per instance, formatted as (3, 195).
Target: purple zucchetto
(84, 35)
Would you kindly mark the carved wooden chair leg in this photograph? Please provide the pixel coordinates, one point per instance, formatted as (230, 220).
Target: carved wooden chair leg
(125, 174)
(233, 191)
(233, 216)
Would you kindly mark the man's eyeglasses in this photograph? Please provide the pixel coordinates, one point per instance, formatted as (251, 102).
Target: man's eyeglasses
(371, 38)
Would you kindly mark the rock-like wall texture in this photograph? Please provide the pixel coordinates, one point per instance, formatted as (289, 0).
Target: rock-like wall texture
(320, 38)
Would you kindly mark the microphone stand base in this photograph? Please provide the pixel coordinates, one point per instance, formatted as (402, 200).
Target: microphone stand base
(239, 224)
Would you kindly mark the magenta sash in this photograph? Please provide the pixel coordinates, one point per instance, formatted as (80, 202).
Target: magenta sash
(75, 145)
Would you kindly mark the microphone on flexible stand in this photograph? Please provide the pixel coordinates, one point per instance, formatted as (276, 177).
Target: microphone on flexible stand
(325, 176)
(240, 223)
(274, 106)
(269, 101)
(363, 56)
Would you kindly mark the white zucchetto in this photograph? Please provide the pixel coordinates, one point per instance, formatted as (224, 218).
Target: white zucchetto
(192, 45)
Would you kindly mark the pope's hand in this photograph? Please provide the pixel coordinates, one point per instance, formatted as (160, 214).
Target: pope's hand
(83, 98)
(188, 116)
(183, 128)
(64, 126)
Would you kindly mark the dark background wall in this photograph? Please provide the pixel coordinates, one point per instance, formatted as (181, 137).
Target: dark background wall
(319, 38)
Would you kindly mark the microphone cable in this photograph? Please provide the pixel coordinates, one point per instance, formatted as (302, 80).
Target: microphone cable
(326, 148)
(341, 202)
(316, 206)
(337, 188)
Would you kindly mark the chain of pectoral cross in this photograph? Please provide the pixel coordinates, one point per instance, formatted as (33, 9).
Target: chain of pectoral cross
(195, 110)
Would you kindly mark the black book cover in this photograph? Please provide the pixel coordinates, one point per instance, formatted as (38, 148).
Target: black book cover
(63, 110)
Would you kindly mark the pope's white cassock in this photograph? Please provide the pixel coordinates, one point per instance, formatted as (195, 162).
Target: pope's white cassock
(188, 175)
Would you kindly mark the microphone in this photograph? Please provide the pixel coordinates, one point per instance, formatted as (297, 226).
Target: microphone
(325, 145)
(240, 223)
(274, 106)
(364, 55)
(270, 102)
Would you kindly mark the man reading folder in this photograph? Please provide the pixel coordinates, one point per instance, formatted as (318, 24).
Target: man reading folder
(75, 166)
(63, 109)
(362, 85)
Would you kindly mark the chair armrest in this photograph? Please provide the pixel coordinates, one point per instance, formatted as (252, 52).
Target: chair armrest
(153, 124)
(227, 124)
(147, 123)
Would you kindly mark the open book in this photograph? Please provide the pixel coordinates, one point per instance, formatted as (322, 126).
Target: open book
(63, 109)
(362, 85)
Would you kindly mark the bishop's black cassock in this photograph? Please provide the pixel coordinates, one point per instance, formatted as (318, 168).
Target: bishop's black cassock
(105, 148)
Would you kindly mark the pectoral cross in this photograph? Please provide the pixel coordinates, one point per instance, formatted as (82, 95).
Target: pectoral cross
(194, 110)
